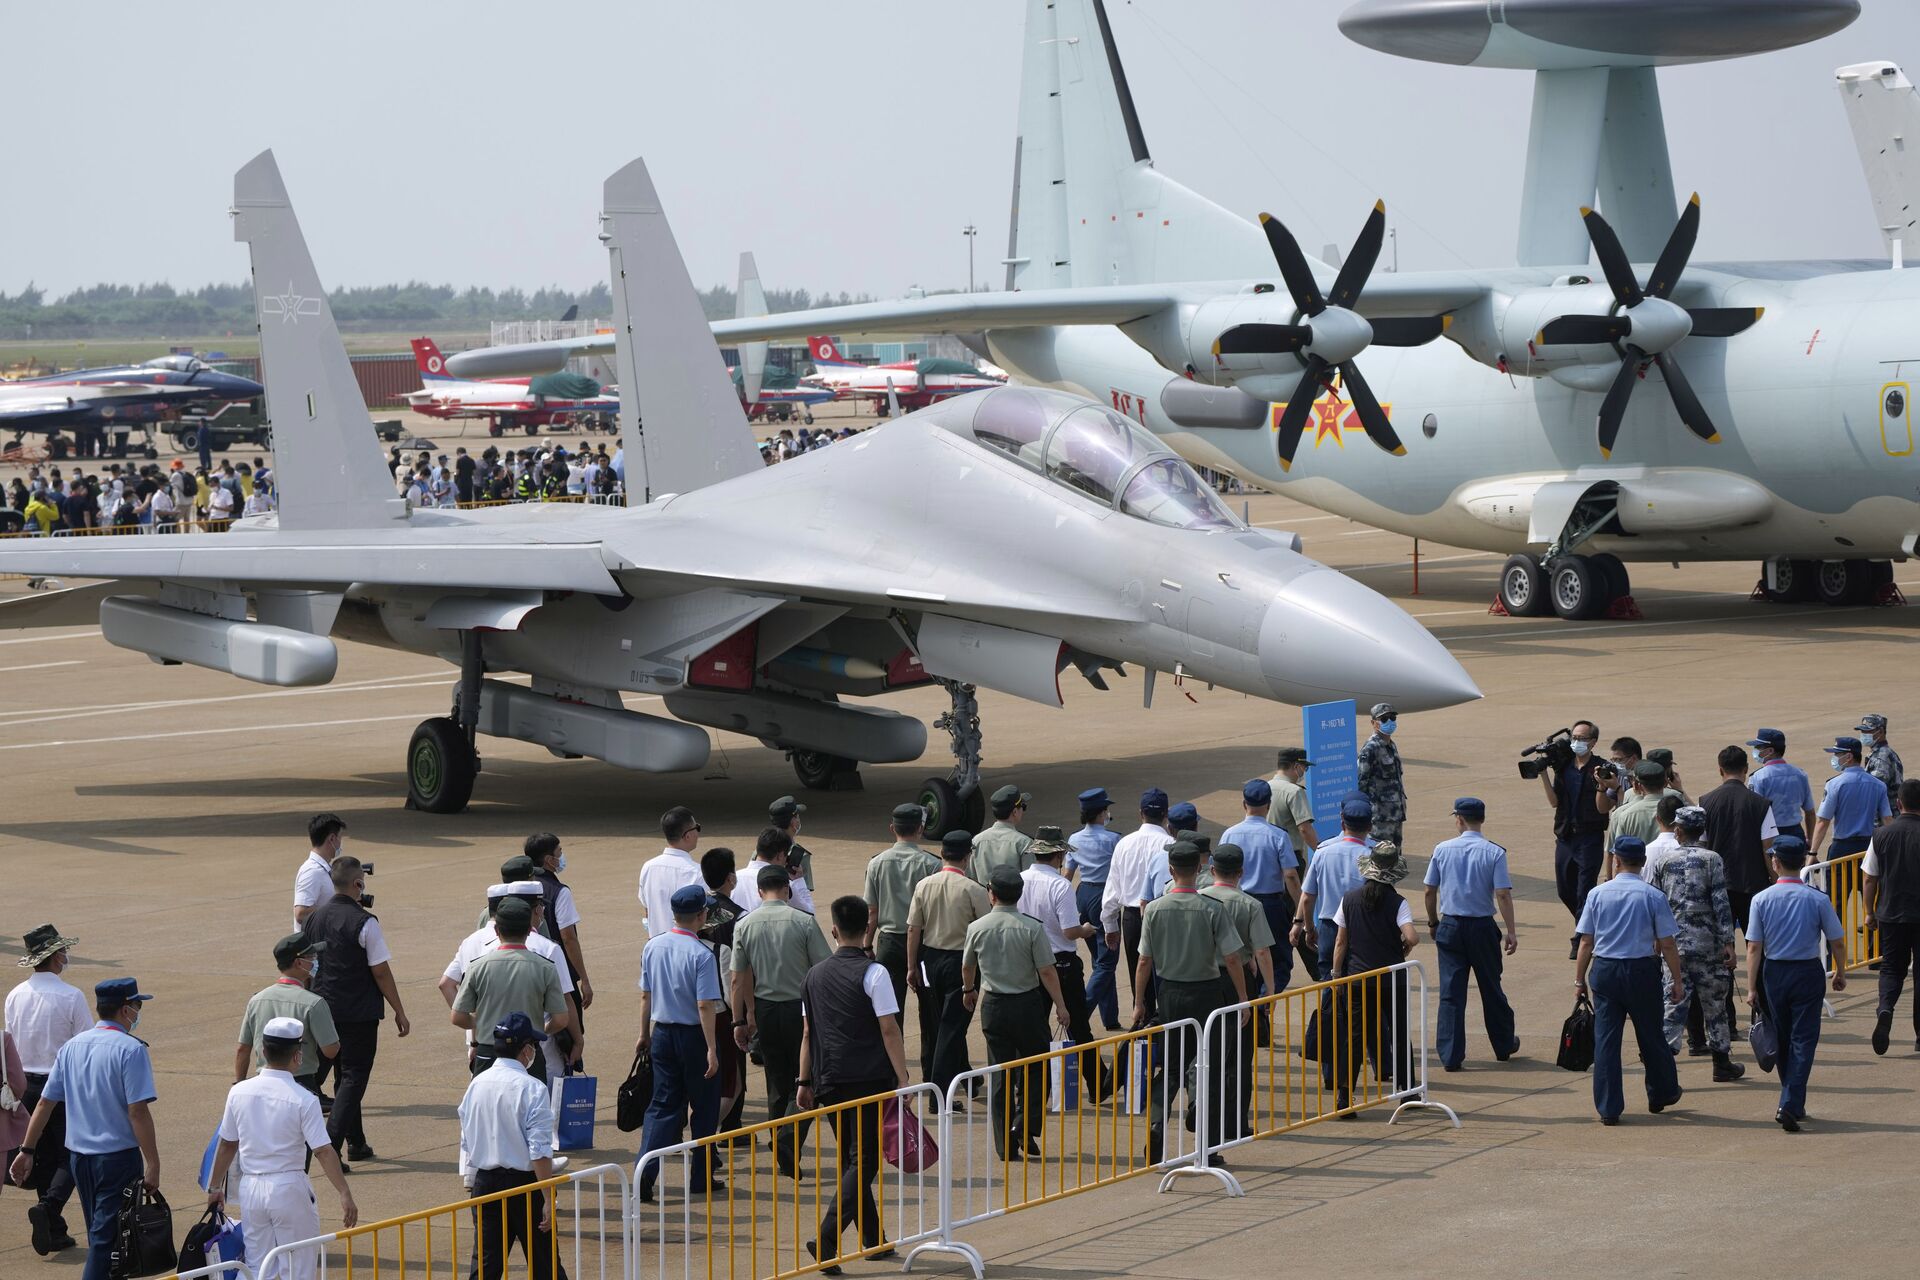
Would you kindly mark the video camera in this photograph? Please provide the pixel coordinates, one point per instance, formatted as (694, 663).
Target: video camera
(366, 899)
(1555, 752)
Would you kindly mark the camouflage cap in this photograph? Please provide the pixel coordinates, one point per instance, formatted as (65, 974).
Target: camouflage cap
(1872, 722)
(1692, 817)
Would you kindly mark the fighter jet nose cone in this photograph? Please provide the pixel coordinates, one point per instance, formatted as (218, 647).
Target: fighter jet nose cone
(1327, 637)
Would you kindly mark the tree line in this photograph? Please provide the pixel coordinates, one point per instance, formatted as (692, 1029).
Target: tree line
(160, 310)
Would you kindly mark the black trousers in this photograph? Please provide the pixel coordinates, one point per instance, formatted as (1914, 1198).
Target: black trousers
(1194, 1000)
(1016, 1027)
(52, 1176)
(483, 1056)
(1899, 952)
(1130, 919)
(944, 1017)
(890, 952)
(359, 1041)
(1070, 971)
(1576, 867)
(779, 1023)
(1369, 1020)
(514, 1220)
(857, 1138)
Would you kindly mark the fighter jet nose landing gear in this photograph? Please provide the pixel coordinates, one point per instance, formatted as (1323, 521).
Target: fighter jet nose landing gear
(956, 800)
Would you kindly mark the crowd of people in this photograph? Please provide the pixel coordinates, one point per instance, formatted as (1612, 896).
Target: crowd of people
(144, 498)
(742, 966)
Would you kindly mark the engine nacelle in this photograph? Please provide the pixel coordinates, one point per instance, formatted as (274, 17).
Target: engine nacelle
(1587, 367)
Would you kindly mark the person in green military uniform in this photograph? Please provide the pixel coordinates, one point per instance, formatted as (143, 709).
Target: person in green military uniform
(1007, 967)
(1249, 919)
(943, 906)
(1188, 940)
(773, 947)
(1637, 816)
(1003, 844)
(891, 876)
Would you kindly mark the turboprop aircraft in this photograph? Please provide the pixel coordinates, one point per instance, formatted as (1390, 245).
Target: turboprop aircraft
(995, 541)
(1653, 410)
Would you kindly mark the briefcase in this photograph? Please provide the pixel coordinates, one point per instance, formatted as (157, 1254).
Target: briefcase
(1576, 1036)
(1764, 1039)
(636, 1094)
(143, 1236)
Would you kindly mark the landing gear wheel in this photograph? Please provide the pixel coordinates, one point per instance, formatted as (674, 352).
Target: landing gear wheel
(149, 453)
(1613, 575)
(1523, 588)
(1787, 581)
(973, 811)
(1843, 582)
(530, 427)
(495, 429)
(440, 767)
(1577, 588)
(942, 804)
(819, 771)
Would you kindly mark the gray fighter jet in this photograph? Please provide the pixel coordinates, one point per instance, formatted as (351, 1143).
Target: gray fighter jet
(995, 540)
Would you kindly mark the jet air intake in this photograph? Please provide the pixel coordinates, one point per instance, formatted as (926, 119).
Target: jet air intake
(1324, 334)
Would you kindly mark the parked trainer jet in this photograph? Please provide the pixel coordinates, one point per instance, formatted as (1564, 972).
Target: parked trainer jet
(1654, 409)
(763, 600)
(117, 398)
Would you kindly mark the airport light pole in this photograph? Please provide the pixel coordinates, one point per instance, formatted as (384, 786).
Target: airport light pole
(970, 231)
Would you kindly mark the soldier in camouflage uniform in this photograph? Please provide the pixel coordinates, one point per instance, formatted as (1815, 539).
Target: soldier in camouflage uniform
(1380, 779)
(1883, 762)
(1695, 882)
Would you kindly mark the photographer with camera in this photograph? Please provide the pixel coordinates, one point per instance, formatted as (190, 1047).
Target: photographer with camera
(1623, 756)
(1572, 780)
(356, 980)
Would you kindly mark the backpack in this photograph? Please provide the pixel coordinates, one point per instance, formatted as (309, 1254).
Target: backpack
(188, 485)
(123, 515)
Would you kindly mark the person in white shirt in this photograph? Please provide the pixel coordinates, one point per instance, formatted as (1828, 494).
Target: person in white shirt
(219, 505)
(1133, 858)
(313, 883)
(1048, 897)
(672, 868)
(772, 851)
(43, 1013)
(268, 1127)
(484, 939)
(506, 1141)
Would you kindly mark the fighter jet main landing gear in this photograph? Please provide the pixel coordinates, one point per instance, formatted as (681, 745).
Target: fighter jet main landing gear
(442, 759)
(956, 800)
(819, 771)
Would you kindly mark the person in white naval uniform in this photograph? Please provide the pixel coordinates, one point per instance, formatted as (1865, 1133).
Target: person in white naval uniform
(269, 1125)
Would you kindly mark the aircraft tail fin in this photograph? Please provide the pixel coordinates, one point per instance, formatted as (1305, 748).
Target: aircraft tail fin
(750, 300)
(1089, 208)
(428, 360)
(1883, 110)
(681, 425)
(825, 351)
(327, 460)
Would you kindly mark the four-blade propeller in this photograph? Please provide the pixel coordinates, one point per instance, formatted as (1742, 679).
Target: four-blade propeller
(1327, 335)
(1645, 324)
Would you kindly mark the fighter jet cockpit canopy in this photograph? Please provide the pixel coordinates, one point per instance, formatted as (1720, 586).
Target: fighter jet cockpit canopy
(1104, 455)
(176, 363)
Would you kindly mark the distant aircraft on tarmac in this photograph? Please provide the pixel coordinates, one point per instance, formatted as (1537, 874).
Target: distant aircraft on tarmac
(525, 403)
(1575, 419)
(762, 600)
(903, 386)
(118, 398)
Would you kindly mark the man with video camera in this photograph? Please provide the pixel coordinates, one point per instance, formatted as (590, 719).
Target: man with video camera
(1572, 778)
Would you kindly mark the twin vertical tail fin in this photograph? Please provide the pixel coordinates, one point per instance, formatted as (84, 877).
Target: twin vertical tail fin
(327, 461)
(672, 378)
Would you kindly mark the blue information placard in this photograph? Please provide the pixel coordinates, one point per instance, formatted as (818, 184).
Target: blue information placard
(1332, 736)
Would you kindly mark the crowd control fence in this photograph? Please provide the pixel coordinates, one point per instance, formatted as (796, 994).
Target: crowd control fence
(234, 1270)
(1166, 1099)
(492, 1235)
(1845, 882)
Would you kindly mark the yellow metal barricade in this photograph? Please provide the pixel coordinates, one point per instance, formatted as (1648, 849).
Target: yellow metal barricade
(767, 1223)
(499, 1233)
(1845, 881)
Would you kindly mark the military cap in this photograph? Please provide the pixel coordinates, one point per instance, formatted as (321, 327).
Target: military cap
(1789, 844)
(1203, 843)
(909, 815)
(528, 889)
(285, 1030)
(1357, 808)
(1007, 799)
(1692, 817)
(514, 913)
(1256, 792)
(781, 811)
(1872, 722)
(1662, 754)
(1383, 711)
(956, 841)
(502, 890)
(1630, 849)
(292, 947)
(1769, 738)
(516, 1030)
(1183, 817)
(1095, 798)
(1846, 744)
(518, 867)
(1472, 808)
(42, 942)
(118, 991)
(1153, 800)
(1229, 857)
(686, 900)
(1006, 884)
(1294, 755)
(1183, 854)
(1650, 771)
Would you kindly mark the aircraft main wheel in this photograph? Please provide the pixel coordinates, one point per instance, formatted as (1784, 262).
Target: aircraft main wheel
(1843, 582)
(531, 428)
(495, 429)
(820, 771)
(440, 767)
(1577, 588)
(973, 811)
(1613, 575)
(149, 453)
(1787, 581)
(943, 807)
(1523, 588)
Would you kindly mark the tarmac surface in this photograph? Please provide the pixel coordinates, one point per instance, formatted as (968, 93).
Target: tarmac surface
(158, 815)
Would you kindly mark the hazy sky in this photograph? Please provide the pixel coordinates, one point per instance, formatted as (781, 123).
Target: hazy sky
(846, 143)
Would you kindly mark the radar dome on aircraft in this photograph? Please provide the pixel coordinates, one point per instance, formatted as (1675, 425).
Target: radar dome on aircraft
(1541, 35)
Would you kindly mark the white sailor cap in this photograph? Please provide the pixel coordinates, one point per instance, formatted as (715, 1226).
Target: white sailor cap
(499, 891)
(284, 1029)
(526, 889)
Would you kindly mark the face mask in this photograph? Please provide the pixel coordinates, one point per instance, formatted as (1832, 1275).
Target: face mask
(1755, 753)
(560, 864)
(1388, 726)
(1837, 763)
(1581, 747)
(136, 1022)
